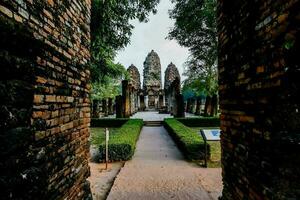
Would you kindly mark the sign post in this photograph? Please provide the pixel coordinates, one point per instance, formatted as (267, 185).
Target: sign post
(209, 135)
(106, 147)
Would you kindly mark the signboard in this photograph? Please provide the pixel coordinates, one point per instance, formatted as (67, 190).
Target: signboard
(211, 134)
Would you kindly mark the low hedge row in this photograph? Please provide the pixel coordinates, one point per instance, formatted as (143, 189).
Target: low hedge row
(121, 145)
(108, 122)
(200, 121)
(187, 139)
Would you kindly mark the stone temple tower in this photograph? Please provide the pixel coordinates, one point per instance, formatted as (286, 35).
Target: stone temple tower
(152, 79)
(152, 71)
(171, 74)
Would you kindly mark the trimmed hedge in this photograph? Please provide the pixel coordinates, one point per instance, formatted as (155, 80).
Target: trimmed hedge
(108, 122)
(121, 145)
(187, 139)
(200, 121)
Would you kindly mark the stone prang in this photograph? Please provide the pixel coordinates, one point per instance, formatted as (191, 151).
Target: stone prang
(134, 77)
(170, 75)
(152, 72)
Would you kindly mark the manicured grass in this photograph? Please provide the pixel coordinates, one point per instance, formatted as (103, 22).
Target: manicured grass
(98, 135)
(187, 139)
(122, 140)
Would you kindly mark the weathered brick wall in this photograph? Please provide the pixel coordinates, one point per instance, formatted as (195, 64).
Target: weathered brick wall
(259, 92)
(45, 107)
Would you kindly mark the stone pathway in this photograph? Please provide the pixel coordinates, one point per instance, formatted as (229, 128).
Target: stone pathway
(155, 116)
(151, 116)
(159, 171)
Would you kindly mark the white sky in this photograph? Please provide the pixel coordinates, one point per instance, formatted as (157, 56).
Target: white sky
(152, 35)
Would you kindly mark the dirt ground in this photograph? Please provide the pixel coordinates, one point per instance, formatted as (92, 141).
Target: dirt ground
(102, 180)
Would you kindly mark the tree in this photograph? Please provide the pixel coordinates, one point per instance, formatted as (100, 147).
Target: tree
(111, 30)
(196, 28)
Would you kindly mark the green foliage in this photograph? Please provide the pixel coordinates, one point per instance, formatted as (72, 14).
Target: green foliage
(108, 89)
(122, 142)
(187, 139)
(193, 88)
(196, 28)
(111, 30)
(98, 134)
(108, 122)
(200, 121)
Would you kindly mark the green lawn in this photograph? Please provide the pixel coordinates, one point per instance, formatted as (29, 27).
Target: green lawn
(98, 135)
(215, 150)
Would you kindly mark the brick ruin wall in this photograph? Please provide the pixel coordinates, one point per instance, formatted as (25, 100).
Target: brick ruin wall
(44, 95)
(259, 74)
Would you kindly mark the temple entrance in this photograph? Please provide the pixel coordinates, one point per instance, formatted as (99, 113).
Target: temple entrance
(151, 102)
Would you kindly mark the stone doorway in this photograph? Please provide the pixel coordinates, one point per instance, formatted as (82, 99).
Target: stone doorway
(151, 102)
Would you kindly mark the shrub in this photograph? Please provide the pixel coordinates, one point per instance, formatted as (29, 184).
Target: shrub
(200, 121)
(121, 145)
(108, 122)
(188, 140)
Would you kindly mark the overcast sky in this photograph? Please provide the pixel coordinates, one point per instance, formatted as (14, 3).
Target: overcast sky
(151, 35)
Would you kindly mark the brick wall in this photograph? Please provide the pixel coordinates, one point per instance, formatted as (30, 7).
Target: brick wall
(44, 102)
(259, 73)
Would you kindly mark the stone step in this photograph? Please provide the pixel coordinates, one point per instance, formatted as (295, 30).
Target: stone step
(153, 123)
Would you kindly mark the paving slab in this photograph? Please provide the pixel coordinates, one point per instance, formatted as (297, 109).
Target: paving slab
(151, 116)
(159, 171)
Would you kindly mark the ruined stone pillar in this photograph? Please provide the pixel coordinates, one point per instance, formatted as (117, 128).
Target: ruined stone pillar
(130, 99)
(207, 109)
(188, 102)
(179, 112)
(146, 102)
(194, 105)
(198, 106)
(142, 102)
(138, 100)
(104, 107)
(110, 106)
(119, 106)
(161, 101)
(126, 99)
(214, 105)
(95, 108)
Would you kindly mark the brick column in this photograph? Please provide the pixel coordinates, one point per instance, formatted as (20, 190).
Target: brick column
(45, 105)
(259, 70)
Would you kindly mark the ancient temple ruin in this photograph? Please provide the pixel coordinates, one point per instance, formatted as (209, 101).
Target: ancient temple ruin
(172, 87)
(135, 83)
(151, 96)
(152, 84)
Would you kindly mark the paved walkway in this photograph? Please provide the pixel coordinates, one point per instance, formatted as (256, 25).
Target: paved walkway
(155, 116)
(150, 116)
(158, 171)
